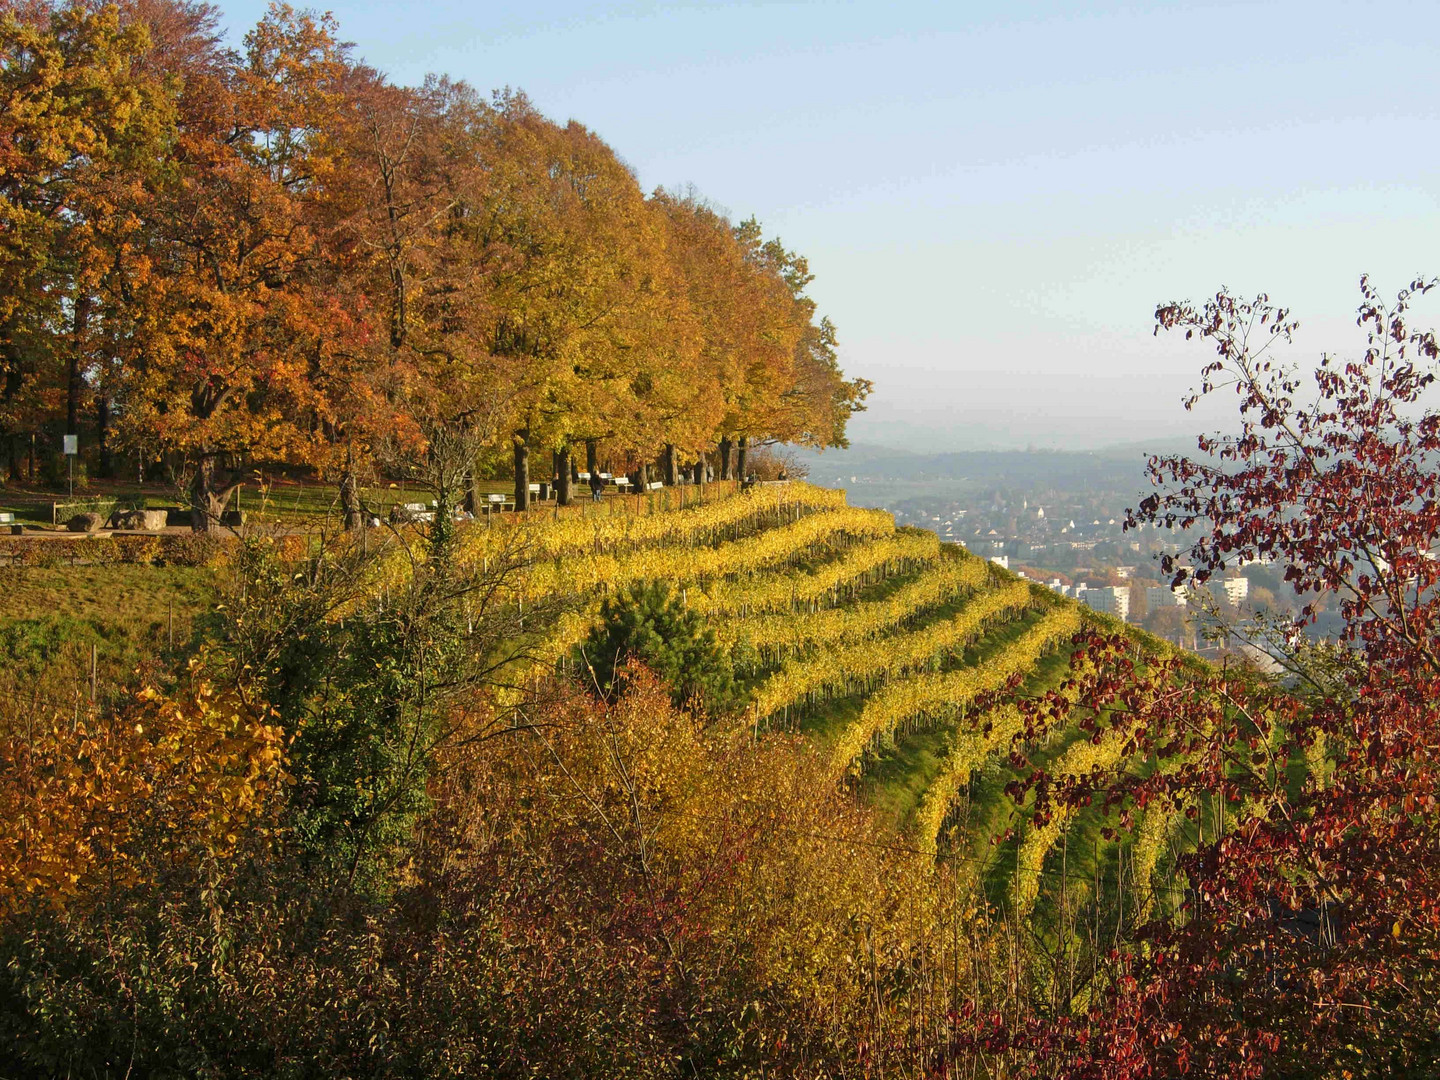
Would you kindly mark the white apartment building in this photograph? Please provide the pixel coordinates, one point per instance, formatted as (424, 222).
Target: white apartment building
(1162, 596)
(1229, 590)
(1110, 600)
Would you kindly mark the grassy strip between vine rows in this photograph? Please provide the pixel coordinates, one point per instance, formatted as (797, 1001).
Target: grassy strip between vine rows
(1038, 840)
(844, 667)
(945, 693)
(986, 735)
(944, 581)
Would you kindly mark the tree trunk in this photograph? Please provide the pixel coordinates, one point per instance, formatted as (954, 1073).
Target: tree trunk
(474, 497)
(700, 472)
(741, 454)
(592, 457)
(669, 473)
(350, 500)
(74, 384)
(564, 477)
(725, 445)
(209, 493)
(106, 464)
(522, 469)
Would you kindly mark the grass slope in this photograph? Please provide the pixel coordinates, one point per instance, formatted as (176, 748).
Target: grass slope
(50, 619)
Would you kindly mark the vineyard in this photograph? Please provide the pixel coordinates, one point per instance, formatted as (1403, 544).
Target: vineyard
(897, 657)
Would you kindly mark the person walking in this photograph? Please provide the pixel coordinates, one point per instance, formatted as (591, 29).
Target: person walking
(597, 486)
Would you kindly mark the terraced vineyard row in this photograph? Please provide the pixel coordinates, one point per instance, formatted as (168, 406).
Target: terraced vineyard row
(876, 642)
(844, 669)
(938, 695)
(775, 635)
(582, 573)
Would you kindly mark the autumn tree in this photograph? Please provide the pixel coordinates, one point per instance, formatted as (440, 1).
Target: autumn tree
(789, 387)
(416, 168)
(717, 280)
(1310, 928)
(84, 122)
(223, 322)
(595, 339)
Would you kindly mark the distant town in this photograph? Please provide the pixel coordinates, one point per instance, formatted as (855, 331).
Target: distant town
(1058, 518)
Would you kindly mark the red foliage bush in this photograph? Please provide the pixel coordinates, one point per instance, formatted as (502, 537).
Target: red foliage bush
(1309, 938)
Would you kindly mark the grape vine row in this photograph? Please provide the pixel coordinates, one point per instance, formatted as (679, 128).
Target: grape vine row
(774, 635)
(863, 662)
(938, 695)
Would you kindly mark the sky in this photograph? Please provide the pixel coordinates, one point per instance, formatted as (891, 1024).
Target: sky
(995, 196)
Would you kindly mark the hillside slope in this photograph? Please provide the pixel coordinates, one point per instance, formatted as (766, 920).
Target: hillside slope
(894, 654)
(886, 648)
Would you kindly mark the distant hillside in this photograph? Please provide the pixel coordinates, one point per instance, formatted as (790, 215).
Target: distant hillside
(931, 484)
(1109, 468)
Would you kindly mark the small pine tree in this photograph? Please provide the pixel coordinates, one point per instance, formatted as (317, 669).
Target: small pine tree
(648, 623)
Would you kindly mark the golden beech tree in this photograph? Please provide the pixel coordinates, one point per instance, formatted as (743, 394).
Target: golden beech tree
(721, 287)
(590, 324)
(791, 388)
(415, 167)
(83, 122)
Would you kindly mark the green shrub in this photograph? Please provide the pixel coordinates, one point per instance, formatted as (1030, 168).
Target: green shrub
(648, 623)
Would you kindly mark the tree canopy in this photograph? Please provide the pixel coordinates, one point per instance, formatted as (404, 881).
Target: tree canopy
(274, 255)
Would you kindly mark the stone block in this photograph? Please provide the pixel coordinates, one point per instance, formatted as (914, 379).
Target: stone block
(138, 520)
(84, 523)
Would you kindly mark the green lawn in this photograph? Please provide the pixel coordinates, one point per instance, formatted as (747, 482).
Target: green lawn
(283, 500)
(137, 620)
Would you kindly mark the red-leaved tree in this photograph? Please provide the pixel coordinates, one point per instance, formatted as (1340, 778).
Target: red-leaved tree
(1307, 937)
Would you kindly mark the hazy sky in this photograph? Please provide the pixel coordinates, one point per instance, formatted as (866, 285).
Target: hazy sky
(993, 196)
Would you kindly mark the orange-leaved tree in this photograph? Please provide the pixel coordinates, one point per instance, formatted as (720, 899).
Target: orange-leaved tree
(224, 314)
(92, 803)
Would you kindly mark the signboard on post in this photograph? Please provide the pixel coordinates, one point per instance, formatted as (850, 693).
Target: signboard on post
(72, 448)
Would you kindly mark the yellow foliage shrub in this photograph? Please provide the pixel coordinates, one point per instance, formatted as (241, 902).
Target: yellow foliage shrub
(88, 801)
